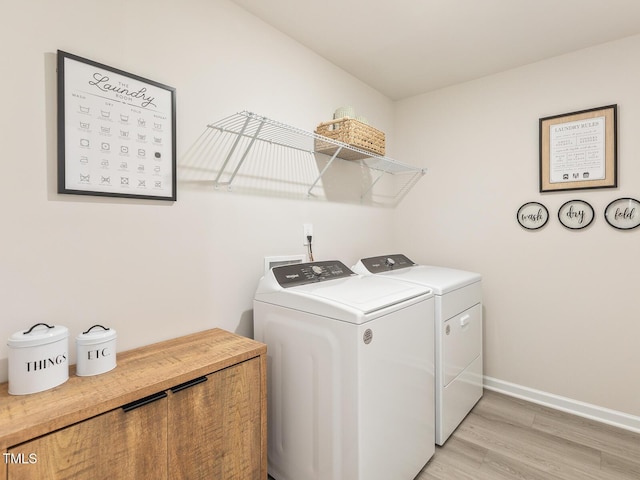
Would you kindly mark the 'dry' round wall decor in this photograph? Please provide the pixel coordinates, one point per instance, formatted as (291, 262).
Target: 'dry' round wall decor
(576, 214)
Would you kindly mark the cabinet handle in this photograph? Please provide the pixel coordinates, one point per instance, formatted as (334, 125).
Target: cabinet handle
(144, 401)
(464, 321)
(189, 384)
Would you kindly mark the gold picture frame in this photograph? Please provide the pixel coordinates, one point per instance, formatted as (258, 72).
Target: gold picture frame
(579, 150)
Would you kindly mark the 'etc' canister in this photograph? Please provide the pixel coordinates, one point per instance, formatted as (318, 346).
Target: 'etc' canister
(38, 359)
(96, 350)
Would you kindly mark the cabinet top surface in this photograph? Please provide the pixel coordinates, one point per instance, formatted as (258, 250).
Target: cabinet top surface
(139, 373)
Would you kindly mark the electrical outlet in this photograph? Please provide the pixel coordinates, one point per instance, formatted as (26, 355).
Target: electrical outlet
(307, 230)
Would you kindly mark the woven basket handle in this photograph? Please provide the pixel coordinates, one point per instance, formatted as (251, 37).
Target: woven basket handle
(339, 120)
(331, 122)
(335, 124)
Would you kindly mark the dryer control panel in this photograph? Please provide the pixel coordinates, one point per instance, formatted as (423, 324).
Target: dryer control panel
(386, 263)
(313, 272)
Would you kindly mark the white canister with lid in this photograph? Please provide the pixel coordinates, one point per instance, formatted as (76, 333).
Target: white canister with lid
(96, 351)
(38, 359)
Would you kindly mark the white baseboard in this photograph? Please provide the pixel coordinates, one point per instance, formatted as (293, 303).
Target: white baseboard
(575, 407)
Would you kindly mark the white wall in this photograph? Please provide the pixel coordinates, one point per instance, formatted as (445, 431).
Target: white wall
(154, 270)
(561, 306)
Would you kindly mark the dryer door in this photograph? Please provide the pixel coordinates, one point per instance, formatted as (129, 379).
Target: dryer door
(462, 341)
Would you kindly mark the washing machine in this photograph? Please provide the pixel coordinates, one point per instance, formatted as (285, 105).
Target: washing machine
(458, 333)
(350, 372)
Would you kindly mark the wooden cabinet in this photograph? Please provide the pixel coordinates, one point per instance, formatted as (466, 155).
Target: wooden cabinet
(192, 407)
(116, 444)
(212, 426)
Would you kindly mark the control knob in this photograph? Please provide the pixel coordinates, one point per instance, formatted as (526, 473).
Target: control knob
(316, 270)
(389, 262)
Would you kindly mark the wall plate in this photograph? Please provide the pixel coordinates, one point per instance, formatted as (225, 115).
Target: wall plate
(276, 261)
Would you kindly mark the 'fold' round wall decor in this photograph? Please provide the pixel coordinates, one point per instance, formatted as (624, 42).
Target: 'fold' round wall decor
(623, 213)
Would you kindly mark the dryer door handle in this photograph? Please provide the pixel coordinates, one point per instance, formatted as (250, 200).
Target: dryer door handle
(464, 320)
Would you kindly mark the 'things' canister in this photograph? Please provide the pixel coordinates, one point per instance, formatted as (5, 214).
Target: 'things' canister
(38, 359)
(96, 351)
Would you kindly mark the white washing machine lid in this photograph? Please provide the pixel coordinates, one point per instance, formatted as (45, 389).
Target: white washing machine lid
(440, 279)
(345, 296)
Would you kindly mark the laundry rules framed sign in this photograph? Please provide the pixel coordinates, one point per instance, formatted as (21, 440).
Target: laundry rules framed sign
(116, 132)
(578, 150)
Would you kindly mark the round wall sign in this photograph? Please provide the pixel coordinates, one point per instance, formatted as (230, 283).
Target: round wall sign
(532, 215)
(576, 214)
(623, 213)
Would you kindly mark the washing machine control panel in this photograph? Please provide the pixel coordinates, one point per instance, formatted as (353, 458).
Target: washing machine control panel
(304, 273)
(386, 263)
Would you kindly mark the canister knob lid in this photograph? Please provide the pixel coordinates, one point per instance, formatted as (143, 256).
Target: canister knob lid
(38, 334)
(96, 334)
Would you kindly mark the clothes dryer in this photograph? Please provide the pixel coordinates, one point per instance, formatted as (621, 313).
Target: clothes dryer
(350, 373)
(458, 333)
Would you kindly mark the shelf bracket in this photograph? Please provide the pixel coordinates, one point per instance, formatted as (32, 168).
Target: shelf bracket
(326, 167)
(372, 185)
(217, 182)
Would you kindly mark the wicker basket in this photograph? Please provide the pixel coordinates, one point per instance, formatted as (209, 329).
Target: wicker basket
(352, 132)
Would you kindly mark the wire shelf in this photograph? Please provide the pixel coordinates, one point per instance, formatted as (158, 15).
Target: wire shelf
(229, 145)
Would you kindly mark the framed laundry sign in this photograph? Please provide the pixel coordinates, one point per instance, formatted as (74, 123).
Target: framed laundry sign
(578, 150)
(116, 132)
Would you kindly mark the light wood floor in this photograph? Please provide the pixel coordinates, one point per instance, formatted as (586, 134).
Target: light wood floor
(506, 438)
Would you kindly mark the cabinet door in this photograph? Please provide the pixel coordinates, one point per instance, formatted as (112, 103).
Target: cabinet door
(117, 444)
(215, 426)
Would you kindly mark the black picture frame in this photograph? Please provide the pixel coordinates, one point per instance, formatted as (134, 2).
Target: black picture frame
(116, 132)
(579, 150)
